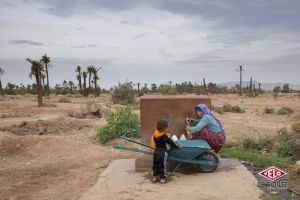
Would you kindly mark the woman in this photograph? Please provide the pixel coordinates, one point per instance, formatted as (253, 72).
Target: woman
(208, 128)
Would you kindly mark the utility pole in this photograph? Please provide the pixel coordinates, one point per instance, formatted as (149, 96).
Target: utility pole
(251, 84)
(241, 69)
(204, 85)
(138, 84)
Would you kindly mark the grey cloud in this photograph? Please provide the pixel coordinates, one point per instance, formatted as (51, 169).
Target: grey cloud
(164, 53)
(232, 14)
(85, 46)
(69, 7)
(260, 14)
(204, 59)
(141, 35)
(8, 4)
(28, 42)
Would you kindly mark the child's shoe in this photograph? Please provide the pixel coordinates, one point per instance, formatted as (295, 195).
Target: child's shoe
(162, 180)
(154, 179)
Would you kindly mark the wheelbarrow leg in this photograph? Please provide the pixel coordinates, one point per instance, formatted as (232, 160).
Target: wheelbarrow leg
(175, 169)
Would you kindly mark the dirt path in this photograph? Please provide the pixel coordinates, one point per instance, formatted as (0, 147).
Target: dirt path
(50, 168)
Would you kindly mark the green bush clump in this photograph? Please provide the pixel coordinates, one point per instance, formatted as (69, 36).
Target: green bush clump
(123, 122)
(284, 144)
(268, 110)
(285, 111)
(288, 144)
(235, 109)
(296, 126)
(123, 93)
(217, 109)
(259, 144)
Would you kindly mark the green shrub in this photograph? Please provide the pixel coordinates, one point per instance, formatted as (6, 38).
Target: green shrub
(123, 93)
(256, 157)
(123, 122)
(288, 144)
(217, 109)
(268, 110)
(235, 109)
(296, 126)
(258, 144)
(167, 89)
(284, 144)
(275, 95)
(272, 197)
(285, 111)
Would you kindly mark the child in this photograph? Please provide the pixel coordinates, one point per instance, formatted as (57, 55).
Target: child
(162, 147)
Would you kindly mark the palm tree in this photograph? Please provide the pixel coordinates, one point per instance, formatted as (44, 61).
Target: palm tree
(90, 71)
(46, 60)
(37, 71)
(84, 75)
(78, 70)
(44, 89)
(95, 77)
(1, 73)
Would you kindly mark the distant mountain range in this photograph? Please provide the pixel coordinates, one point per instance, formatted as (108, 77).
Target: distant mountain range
(265, 86)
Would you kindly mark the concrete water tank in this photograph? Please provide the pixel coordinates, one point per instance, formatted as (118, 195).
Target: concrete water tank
(172, 108)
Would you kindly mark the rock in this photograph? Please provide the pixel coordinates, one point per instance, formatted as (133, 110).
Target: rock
(298, 162)
(274, 192)
(23, 124)
(298, 169)
(76, 115)
(64, 99)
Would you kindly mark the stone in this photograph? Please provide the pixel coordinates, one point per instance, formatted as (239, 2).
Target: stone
(64, 99)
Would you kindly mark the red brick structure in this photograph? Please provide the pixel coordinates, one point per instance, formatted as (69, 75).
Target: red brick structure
(172, 108)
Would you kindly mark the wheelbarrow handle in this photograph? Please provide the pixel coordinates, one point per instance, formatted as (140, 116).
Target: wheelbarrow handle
(137, 142)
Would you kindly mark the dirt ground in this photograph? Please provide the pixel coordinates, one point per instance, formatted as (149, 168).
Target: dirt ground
(46, 154)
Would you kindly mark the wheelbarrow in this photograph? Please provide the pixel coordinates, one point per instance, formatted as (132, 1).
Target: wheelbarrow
(196, 152)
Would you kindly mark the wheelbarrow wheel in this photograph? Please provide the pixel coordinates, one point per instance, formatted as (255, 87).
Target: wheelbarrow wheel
(209, 157)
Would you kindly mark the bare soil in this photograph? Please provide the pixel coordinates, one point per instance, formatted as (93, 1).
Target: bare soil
(46, 154)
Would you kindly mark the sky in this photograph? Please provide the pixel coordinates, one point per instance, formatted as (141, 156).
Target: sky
(153, 41)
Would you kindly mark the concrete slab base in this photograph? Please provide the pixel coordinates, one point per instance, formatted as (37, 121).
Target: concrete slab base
(121, 181)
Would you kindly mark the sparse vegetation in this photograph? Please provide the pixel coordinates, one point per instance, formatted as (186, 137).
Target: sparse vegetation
(276, 91)
(285, 111)
(256, 157)
(272, 197)
(268, 110)
(285, 88)
(235, 109)
(218, 109)
(1, 73)
(123, 122)
(283, 144)
(287, 144)
(296, 126)
(123, 93)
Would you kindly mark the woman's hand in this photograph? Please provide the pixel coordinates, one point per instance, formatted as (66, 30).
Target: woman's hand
(188, 132)
(188, 128)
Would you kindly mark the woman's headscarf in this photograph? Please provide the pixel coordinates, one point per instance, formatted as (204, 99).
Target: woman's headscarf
(206, 111)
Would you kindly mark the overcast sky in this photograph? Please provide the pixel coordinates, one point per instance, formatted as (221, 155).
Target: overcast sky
(153, 41)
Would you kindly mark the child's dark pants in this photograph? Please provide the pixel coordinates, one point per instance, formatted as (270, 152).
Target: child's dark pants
(160, 158)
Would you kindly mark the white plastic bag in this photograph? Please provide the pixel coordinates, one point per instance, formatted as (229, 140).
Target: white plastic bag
(182, 137)
(174, 138)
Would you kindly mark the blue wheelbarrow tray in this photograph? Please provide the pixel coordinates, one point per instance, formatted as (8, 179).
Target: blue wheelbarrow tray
(196, 152)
